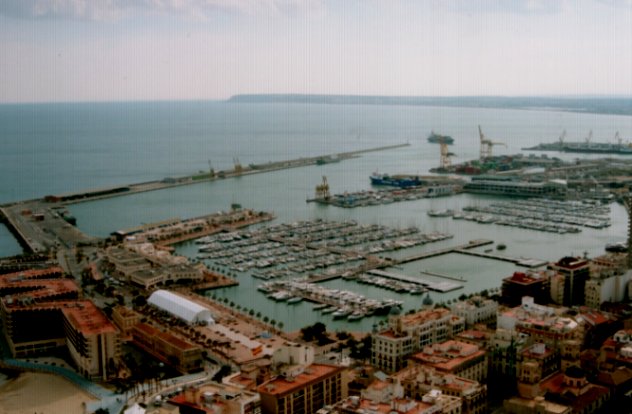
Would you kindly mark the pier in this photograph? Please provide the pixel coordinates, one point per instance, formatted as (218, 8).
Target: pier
(442, 287)
(443, 276)
(520, 261)
(456, 249)
(238, 171)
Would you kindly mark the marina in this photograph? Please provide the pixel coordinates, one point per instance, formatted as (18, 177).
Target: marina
(307, 248)
(545, 215)
(341, 304)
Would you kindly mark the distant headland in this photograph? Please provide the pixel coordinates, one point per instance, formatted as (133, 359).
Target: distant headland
(615, 105)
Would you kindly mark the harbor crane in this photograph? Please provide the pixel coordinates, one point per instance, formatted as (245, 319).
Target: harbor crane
(562, 138)
(589, 137)
(446, 155)
(322, 190)
(238, 168)
(487, 145)
(211, 170)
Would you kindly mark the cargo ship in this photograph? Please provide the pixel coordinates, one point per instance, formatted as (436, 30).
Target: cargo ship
(587, 146)
(403, 181)
(438, 139)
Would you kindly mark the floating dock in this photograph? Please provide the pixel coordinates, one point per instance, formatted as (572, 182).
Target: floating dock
(471, 245)
(467, 249)
(520, 261)
(442, 287)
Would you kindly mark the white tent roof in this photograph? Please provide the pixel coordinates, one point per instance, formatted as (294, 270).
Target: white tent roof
(135, 409)
(180, 307)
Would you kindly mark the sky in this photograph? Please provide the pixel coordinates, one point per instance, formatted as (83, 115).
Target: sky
(115, 50)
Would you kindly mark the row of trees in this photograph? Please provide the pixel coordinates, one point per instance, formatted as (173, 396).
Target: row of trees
(250, 312)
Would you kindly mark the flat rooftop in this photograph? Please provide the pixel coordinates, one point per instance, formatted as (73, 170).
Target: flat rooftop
(311, 374)
(166, 336)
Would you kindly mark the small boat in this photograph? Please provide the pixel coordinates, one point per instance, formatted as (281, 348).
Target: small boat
(356, 315)
(294, 299)
(321, 306)
(501, 246)
(329, 309)
(440, 213)
(341, 313)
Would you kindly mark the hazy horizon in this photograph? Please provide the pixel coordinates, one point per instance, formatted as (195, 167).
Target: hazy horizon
(166, 50)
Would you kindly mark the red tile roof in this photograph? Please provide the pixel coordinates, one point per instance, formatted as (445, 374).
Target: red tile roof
(312, 374)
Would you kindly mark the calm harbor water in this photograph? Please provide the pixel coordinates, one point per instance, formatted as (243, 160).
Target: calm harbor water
(52, 149)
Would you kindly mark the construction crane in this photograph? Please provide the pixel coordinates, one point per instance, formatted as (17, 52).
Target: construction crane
(589, 137)
(446, 155)
(238, 168)
(322, 190)
(211, 170)
(487, 145)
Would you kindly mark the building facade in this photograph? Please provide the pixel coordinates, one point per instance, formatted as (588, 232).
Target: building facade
(407, 334)
(304, 392)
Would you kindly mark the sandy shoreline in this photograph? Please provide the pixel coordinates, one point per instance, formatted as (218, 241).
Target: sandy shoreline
(38, 393)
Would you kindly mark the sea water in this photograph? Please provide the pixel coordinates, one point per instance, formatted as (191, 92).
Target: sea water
(59, 148)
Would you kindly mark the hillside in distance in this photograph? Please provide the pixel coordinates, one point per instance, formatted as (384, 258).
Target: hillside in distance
(616, 105)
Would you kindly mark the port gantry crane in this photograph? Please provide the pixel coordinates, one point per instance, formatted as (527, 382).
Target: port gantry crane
(322, 190)
(238, 168)
(487, 145)
(211, 170)
(446, 155)
(562, 138)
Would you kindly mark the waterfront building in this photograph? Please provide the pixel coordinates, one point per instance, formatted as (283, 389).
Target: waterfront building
(212, 397)
(407, 334)
(476, 310)
(303, 390)
(533, 284)
(507, 186)
(35, 328)
(568, 284)
(180, 307)
(455, 358)
(418, 380)
(150, 268)
(126, 261)
(92, 340)
(170, 349)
